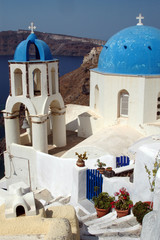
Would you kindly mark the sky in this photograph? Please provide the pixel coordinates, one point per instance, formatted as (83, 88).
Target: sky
(98, 19)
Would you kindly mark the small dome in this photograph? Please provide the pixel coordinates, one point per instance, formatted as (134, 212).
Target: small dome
(43, 52)
(134, 50)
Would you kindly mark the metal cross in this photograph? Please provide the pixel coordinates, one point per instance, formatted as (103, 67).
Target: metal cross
(140, 17)
(32, 27)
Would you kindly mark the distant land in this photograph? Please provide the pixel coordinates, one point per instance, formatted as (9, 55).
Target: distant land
(59, 44)
(75, 86)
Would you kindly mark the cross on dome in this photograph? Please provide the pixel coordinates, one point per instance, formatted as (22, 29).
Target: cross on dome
(140, 17)
(32, 27)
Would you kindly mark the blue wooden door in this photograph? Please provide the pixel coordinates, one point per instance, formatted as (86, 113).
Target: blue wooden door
(94, 183)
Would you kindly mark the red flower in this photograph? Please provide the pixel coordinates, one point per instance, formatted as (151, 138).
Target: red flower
(116, 193)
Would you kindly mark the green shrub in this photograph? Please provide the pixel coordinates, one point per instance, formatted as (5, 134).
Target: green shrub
(140, 209)
(103, 201)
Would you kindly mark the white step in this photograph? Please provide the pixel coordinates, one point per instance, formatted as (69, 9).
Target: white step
(107, 218)
(109, 231)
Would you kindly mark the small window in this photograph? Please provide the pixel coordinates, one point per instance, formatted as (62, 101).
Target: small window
(123, 103)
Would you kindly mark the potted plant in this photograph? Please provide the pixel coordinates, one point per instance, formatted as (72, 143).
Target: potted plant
(103, 203)
(140, 209)
(109, 169)
(100, 166)
(123, 203)
(152, 175)
(81, 159)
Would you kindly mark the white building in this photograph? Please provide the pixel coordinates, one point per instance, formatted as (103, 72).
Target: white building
(124, 90)
(125, 87)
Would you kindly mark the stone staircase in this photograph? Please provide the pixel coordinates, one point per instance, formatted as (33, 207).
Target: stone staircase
(108, 227)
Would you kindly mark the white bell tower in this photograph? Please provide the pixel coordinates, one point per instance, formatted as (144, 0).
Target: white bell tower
(33, 76)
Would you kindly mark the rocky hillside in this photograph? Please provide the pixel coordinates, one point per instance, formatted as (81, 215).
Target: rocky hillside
(59, 44)
(75, 86)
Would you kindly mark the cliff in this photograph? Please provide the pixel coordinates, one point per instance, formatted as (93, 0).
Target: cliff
(59, 44)
(75, 86)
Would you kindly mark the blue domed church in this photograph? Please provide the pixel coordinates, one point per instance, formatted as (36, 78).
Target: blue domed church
(125, 87)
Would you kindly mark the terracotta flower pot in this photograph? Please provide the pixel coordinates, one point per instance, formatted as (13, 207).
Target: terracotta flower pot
(122, 213)
(109, 169)
(102, 212)
(80, 163)
(101, 170)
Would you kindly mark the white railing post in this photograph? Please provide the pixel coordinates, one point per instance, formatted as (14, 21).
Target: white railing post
(79, 184)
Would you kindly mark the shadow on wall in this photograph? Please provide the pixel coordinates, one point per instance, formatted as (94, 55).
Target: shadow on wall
(72, 126)
(1, 166)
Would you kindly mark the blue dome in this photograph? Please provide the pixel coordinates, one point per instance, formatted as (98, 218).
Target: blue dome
(43, 52)
(134, 50)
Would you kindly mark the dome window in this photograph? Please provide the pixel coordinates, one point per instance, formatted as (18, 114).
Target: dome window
(149, 47)
(125, 47)
(106, 47)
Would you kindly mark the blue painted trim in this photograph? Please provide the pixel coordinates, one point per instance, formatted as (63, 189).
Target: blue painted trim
(94, 178)
(122, 161)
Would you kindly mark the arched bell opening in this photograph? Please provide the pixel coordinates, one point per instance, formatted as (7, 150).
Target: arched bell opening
(24, 124)
(37, 82)
(33, 52)
(18, 86)
(20, 211)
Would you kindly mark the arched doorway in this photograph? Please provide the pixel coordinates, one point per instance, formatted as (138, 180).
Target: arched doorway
(20, 211)
(123, 103)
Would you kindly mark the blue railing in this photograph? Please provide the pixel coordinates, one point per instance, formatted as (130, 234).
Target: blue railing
(122, 161)
(94, 183)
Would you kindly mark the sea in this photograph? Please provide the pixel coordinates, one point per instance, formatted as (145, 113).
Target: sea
(66, 65)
